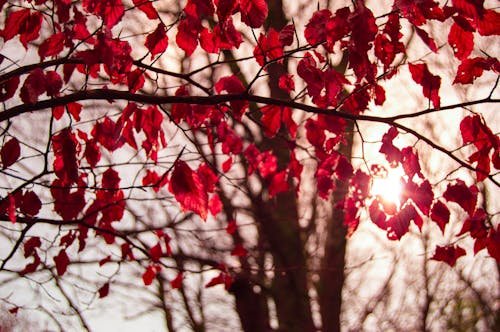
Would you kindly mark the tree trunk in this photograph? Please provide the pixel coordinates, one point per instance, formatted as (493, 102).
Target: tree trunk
(331, 279)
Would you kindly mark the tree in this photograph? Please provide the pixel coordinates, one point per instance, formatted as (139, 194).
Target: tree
(260, 131)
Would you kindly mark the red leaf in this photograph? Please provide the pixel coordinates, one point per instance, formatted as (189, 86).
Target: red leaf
(111, 11)
(104, 290)
(426, 39)
(231, 227)
(222, 279)
(440, 215)
(398, 225)
(271, 119)
(344, 170)
(92, 153)
(67, 204)
(410, 162)
(279, 184)
(387, 45)
(157, 41)
(334, 86)
(377, 215)
(65, 149)
(216, 280)
(33, 86)
(448, 254)
(8, 88)
(110, 179)
(215, 205)
(239, 251)
(226, 35)
(30, 246)
(287, 118)
(430, 83)
(62, 262)
(24, 23)
(67, 239)
(461, 41)
(208, 177)
(392, 153)
(253, 12)
(316, 29)
(364, 29)
(135, 79)
(487, 24)
(188, 189)
(74, 109)
(208, 41)
(10, 152)
(156, 252)
(14, 22)
(153, 179)
(146, 7)
(474, 130)
(231, 142)
(29, 203)
(108, 134)
(199, 8)
(150, 274)
(105, 260)
(286, 83)
(53, 83)
(127, 251)
(177, 282)
(419, 12)
(232, 85)
(287, 34)
(464, 196)
(58, 112)
(32, 266)
(422, 195)
(307, 70)
(51, 46)
(268, 48)
(470, 69)
(187, 36)
(267, 164)
(469, 8)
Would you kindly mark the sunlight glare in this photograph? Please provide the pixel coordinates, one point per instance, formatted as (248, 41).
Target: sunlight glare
(388, 187)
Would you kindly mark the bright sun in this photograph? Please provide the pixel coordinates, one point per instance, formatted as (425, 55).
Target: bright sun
(388, 186)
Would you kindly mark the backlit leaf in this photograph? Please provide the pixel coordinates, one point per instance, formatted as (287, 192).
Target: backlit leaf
(448, 254)
(188, 189)
(62, 262)
(430, 83)
(253, 12)
(157, 41)
(10, 152)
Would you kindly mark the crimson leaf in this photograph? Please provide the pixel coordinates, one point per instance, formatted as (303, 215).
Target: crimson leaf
(51, 46)
(253, 12)
(10, 152)
(104, 290)
(464, 196)
(177, 282)
(440, 215)
(188, 190)
(461, 41)
(430, 83)
(62, 262)
(157, 41)
(448, 254)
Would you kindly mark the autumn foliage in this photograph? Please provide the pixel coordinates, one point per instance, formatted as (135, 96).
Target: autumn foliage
(101, 95)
